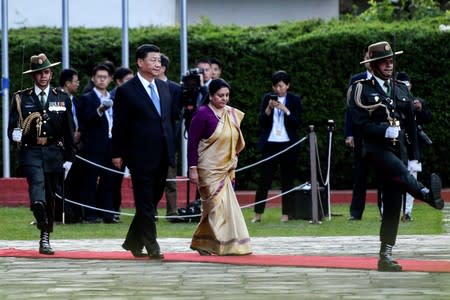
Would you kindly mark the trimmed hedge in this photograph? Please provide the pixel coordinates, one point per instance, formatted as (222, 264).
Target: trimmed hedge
(320, 56)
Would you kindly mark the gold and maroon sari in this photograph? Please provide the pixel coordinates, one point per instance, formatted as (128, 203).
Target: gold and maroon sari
(222, 229)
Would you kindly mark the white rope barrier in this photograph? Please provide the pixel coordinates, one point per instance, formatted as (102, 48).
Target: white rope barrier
(270, 157)
(299, 187)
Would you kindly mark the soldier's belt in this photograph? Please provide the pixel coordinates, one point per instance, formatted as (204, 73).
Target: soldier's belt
(41, 141)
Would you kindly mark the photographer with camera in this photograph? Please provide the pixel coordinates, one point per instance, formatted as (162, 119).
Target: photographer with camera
(279, 121)
(423, 116)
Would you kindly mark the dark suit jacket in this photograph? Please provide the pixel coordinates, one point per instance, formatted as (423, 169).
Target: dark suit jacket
(140, 134)
(93, 128)
(291, 122)
(176, 92)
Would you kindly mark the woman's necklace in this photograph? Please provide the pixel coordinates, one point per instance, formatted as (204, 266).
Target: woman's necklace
(217, 113)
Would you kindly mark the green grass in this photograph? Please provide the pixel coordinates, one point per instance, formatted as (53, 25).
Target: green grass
(15, 225)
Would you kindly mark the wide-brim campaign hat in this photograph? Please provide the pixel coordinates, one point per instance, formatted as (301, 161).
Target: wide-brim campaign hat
(40, 62)
(379, 51)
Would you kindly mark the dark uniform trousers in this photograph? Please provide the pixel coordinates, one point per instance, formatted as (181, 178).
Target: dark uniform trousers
(42, 186)
(395, 178)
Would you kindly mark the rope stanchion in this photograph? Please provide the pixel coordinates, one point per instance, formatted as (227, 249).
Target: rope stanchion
(314, 189)
(330, 127)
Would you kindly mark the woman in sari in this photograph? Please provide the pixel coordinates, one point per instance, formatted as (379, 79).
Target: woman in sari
(214, 142)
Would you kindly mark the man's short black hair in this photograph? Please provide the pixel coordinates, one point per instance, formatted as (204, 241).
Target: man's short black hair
(203, 61)
(165, 61)
(121, 73)
(66, 75)
(142, 50)
(215, 61)
(102, 67)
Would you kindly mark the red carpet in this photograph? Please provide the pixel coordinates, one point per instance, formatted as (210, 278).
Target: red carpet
(334, 262)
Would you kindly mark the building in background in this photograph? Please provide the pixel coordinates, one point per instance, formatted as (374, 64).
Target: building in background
(82, 13)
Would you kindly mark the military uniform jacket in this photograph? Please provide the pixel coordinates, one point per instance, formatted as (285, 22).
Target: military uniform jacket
(372, 110)
(47, 136)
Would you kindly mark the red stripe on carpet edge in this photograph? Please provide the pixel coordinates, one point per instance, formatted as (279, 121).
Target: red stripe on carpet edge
(334, 262)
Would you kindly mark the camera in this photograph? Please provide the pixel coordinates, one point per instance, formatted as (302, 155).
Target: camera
(195, 71)
(190, 89)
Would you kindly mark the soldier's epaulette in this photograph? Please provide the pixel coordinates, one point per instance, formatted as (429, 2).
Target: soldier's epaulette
(362, 80)
(58, 90)
(24, 90)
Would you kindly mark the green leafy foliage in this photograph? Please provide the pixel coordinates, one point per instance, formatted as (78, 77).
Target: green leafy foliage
(389, 10)
(321, 56)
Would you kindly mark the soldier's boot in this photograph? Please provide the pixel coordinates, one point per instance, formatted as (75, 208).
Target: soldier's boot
(433, 196)
(39, 213)
(386, 263)
(44, 244)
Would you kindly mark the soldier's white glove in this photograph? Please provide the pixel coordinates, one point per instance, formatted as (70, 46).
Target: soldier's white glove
(107, 103)
(414, 166)
(392, 132)
(17, 135)
(67, 165)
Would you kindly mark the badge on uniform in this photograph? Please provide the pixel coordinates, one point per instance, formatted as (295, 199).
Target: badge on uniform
(57, 106)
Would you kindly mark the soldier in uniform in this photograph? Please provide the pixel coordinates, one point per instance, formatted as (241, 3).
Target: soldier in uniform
(383, 112)
(40, 122)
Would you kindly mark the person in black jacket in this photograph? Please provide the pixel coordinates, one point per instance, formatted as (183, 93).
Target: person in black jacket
(383, 111)
(40, 122)
(279, 120)
(353, 140)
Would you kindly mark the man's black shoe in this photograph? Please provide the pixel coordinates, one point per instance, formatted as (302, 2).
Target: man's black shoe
(135, 252)
(435, 189)
(406, 218)
(111, 221)
(93, 221)
(387, 265)
(352, 218)
(154, 251)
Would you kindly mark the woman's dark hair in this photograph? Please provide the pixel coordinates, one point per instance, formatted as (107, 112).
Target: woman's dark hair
(214, 86)
(281, 76)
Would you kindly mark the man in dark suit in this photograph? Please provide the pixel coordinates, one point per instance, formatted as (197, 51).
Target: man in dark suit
(143, 141)
(95, 121)
(353, 140)
(65, 211)
(171, 185)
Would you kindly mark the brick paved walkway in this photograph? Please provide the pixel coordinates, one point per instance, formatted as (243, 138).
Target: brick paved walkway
(97, 279)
